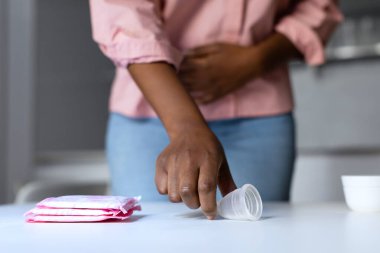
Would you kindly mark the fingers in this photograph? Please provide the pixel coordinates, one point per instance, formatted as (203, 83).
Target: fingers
(177, 176)
(194, 75)
(189, 184)
(183, 180)
(205, 50)
(173, 180)
(191, 64)
(207, 97)
(161, 177)
(193, 84)
(202, 90)
(207, 184)
(209, 94)
(225, 181)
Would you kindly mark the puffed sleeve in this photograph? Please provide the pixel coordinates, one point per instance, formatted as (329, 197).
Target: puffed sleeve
(131, 31)
(309, 25)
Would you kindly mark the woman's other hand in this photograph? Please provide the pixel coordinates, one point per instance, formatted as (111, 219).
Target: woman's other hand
(213, 71)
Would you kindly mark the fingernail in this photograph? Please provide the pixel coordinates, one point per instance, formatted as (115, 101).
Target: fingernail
(209, 217)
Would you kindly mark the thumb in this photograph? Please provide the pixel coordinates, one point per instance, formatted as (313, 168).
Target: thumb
(225, 181)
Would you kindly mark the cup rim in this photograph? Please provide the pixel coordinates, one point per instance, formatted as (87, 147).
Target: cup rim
(257, 199)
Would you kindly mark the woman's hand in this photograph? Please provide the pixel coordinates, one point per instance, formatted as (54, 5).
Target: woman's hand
(213, 71)
(190, 169)
(193, 164)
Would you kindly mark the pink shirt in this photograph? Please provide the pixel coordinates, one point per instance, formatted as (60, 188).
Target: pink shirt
(143, 31)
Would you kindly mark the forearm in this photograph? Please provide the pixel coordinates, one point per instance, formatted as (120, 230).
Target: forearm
(168, 97)
(273, 51)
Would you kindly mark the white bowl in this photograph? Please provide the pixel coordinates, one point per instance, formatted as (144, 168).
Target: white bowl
(362, 193)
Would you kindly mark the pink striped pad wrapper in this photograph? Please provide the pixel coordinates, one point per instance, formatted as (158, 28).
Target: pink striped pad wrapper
(83, 208)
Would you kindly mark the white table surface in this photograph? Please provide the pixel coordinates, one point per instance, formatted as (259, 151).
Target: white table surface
(167, 227)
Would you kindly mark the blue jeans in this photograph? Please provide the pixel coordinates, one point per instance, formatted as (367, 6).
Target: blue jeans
(260, 151)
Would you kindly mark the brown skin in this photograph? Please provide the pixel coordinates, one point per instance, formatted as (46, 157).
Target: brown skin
(213, 71)
(193, 165)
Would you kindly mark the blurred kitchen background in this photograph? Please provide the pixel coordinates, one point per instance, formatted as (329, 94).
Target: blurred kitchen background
(54, 86)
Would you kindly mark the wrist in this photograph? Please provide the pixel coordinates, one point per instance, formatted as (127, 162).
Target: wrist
(257, 61)
(274, 51)
(187, 127)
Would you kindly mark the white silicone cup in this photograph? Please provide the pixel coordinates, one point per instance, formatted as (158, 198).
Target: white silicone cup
(242, 204)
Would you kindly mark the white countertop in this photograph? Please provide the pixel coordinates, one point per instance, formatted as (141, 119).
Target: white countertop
(166, 227)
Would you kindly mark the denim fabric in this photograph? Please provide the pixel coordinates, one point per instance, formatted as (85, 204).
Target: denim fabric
(260, 151)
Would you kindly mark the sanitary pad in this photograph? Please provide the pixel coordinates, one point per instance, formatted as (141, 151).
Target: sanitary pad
(83, 208)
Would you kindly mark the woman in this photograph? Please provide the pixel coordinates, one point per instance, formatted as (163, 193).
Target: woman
(215, 74)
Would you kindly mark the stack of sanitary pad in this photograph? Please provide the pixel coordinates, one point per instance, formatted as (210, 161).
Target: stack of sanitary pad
(83, 208)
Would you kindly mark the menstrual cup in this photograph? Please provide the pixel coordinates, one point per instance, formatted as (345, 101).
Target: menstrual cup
(241, 204)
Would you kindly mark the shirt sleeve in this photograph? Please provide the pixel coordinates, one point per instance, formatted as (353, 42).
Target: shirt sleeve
(131, 31)
(309, 25)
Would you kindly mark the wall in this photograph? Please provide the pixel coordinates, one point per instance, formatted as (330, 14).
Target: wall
(73, 78)
(54, 95)
(338, 122)
(360, 8)
(2, 100)
(20, 61)
(337, 105)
